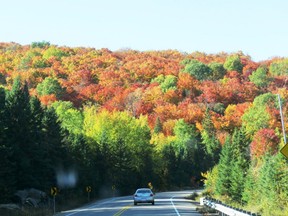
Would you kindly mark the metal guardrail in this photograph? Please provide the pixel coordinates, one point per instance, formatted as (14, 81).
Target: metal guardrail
(226, 209)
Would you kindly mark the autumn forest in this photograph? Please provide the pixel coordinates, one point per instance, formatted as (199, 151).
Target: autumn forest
(121, 119)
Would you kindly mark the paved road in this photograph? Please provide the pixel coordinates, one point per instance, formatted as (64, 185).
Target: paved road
(166, 204)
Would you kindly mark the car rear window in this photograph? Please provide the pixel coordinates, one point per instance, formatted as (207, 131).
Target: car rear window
(143, 191)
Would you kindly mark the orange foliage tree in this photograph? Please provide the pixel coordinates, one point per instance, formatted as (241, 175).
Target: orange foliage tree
(264, 141)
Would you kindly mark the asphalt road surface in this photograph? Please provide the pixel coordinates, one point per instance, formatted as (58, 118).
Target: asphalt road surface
(166, 204)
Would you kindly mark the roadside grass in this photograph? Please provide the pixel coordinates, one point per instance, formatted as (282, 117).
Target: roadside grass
(27, 212)
(201, 209)
(62, 204)
(193, 196)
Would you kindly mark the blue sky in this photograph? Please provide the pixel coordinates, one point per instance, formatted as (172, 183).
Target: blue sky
(259, 28)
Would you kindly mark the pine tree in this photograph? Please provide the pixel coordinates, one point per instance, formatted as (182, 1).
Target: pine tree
(212, 144)
(7, 166)
(53, 145)
(237, 180)
(223, 182)
(272, 183)
(233, 166)
(239, 164)
(38, 159)
(249, 193)
(19, 133)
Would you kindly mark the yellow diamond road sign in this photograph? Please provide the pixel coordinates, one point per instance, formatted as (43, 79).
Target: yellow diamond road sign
(284, 150)
(88, 189)
(53, 191)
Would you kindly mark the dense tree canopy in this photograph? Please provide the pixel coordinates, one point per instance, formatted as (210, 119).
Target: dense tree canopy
(198, 69)
(233, 63)
(157, 116)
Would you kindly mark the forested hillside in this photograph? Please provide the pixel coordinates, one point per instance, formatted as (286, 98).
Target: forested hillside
(125, 118)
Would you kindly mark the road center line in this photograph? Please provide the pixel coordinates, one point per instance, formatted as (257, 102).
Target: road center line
(122, 210)
(171, 200)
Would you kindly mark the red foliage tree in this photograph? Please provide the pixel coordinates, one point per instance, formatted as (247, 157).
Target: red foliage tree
(191, 112)
(264, 141)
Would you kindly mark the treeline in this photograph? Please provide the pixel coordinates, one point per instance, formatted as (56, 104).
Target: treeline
(31, 142)
(41, 146)
(159, 116)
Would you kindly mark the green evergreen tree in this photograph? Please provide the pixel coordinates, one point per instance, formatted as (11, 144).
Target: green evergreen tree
(53, 144)
(272, 184)
(38, 159)
(240, 164)
(212, 144)
(249, 194)
(7, 166)
(19, 133)
(223, 182)
(233, 166)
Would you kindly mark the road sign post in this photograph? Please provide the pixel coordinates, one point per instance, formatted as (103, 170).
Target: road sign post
(54, 192)
(88, 190)
(54, 204)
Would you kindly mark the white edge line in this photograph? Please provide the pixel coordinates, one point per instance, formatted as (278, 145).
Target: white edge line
(171, 200)
(88, 207)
